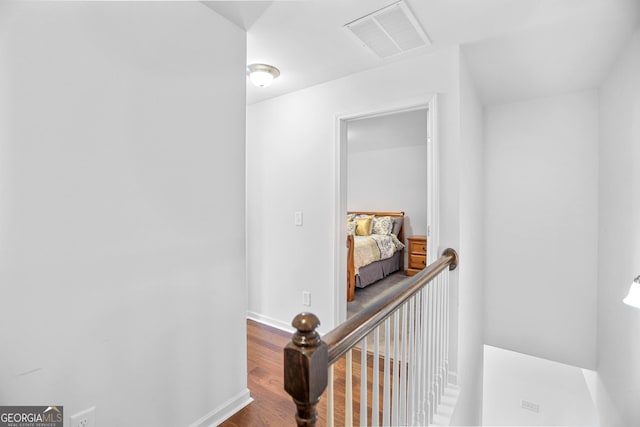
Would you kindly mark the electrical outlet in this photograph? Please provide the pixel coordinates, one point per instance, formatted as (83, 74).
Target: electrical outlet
(86, 418)
(297, 218)
(306, 298)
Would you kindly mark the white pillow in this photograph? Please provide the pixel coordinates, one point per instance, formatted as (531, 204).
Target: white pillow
(382, 225)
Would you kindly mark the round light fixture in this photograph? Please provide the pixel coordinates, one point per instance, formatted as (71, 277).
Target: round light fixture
(633, 298)
(262, 75)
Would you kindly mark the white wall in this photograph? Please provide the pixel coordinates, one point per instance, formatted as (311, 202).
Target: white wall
(122, 210)
(541, 227)
(619, 231)
(471, 250)
(560, 390)
(386, 157)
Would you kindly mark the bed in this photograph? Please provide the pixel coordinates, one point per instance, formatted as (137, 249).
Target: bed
(375, 256)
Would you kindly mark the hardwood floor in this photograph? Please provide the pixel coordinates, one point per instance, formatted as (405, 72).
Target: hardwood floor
(272, 406)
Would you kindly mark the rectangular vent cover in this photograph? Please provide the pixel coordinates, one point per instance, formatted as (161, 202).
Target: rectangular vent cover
(530, 406)
(389, 31)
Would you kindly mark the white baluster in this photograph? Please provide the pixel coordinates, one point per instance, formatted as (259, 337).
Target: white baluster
(363, 383)
(415, 354)
(395, 384)
(441, 338)
(348, 390)
(375, 393)
(411, 386)
(403, 369)
(443, 377)
(386, 397)
(436, 384)
(425, 357)
(431, 349)
(446, 328)
(330, 398)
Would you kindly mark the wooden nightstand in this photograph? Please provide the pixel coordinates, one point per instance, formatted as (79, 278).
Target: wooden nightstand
(417, 254)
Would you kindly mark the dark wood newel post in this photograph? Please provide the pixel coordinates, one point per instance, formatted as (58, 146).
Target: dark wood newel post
(306, 368)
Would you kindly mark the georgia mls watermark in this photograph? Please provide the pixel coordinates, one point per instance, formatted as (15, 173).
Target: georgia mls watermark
(31, 416)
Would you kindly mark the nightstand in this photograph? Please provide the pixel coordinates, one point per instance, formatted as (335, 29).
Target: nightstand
(417, 254)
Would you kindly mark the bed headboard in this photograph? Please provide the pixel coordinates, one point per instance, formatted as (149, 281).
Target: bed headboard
(391, 214)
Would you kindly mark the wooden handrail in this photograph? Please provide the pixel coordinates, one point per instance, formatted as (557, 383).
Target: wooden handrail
(307, 357)
(349, 333)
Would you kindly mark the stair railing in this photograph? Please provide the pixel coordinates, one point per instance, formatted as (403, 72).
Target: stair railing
(413, 362)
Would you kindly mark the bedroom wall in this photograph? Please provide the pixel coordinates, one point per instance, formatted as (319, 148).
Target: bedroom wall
(619, 231)
(385, 166)
(541, 222)
(122, 257)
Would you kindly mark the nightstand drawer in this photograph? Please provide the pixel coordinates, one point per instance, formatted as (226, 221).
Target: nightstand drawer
(417, 247)
(417, 257)
(417, 261)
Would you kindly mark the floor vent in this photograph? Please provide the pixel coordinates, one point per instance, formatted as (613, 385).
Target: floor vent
(530, 406)
(389, 31)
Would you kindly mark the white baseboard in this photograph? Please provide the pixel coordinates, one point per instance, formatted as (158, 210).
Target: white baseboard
(270, 321)
(224, 411)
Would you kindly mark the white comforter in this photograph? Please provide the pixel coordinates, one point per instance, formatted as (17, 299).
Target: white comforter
(368, 249)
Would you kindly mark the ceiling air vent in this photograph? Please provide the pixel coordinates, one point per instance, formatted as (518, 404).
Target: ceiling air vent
(389, 31)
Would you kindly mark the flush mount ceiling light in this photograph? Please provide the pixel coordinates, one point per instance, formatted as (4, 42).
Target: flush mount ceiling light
(633, 298)
(262, 75)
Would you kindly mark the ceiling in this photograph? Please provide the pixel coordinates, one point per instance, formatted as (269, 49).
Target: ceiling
(515, 49)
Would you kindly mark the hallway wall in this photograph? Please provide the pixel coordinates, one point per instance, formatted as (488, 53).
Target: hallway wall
(541, 227)
(122, 210)
(619, 230)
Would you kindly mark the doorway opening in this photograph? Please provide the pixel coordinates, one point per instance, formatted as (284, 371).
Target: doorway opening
(386, 161)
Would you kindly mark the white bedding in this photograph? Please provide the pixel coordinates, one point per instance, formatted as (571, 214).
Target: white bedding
(368, 249)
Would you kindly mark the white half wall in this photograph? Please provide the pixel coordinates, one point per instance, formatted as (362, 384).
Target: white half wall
(541, 227)
(470, 322)
(122, 247)
(560, 391)
(386, 171)
(619, 230)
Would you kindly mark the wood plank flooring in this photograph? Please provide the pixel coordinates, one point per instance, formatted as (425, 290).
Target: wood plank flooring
(272, 406)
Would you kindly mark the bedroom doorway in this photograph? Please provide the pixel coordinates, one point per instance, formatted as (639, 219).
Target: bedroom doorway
(386, 161)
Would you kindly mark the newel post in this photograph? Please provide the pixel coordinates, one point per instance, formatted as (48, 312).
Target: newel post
(306, 368)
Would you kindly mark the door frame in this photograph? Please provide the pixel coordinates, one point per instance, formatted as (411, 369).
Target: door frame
(428, 103)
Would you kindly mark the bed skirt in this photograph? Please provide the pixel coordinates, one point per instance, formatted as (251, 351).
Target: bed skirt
(379, 269)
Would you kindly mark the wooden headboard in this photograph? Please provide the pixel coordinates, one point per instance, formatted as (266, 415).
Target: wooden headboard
(392, 214)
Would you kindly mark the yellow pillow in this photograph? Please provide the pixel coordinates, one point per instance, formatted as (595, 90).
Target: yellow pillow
(363, 226)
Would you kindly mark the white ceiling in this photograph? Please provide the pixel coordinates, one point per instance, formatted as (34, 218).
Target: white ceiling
(515, 49)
